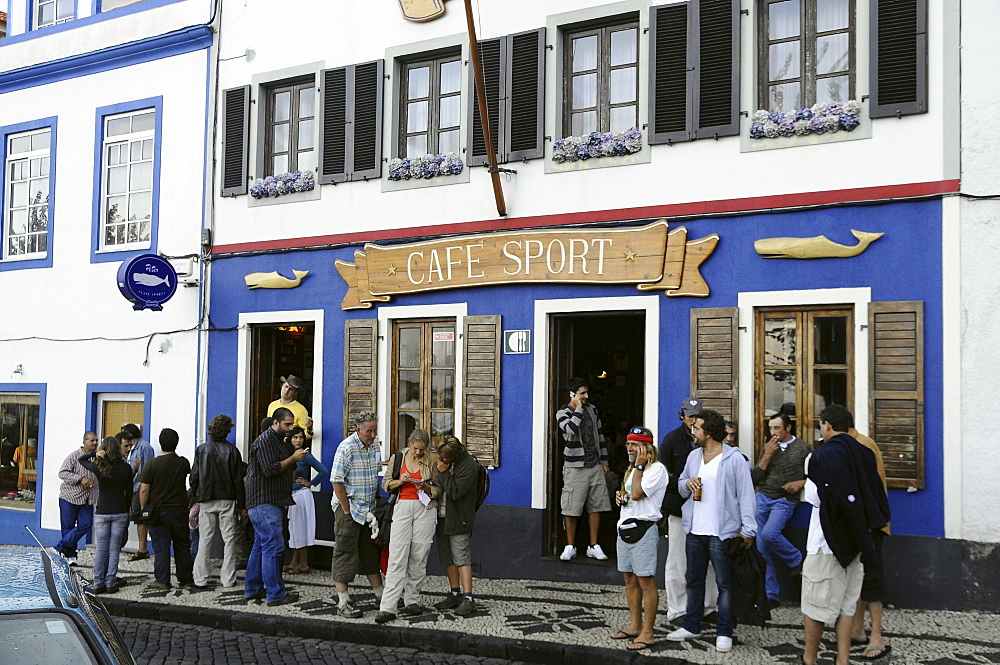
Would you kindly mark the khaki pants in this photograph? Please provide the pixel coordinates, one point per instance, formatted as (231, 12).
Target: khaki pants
(412, 534)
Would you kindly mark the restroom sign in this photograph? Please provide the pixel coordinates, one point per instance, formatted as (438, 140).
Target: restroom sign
(517, 341)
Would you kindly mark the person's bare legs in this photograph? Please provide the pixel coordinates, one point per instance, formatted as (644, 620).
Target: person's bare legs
(465, 572)
(650, 601)
(814, 632)
(633, 593)
(293, 565)
(375, 579)
(876, 643)
(143, 532)
(452, 572)
(858, 623)
(843, 628)
(570, 523)
(594, 520)
(303, 564)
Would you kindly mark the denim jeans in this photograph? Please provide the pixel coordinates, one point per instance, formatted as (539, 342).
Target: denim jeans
(172, 528)
(772, 515)
(76, 522)
(264, 566)
(108, 529)
(700, 550)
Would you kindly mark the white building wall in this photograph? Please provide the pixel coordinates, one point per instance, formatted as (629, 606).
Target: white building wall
(980, 281)
(68, 325)
(914, 149)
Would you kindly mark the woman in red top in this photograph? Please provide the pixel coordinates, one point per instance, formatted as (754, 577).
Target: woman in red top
(413, 520)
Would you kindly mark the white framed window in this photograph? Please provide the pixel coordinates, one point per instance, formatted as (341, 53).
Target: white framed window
(127, 180)
(52, 12)
(27, 192)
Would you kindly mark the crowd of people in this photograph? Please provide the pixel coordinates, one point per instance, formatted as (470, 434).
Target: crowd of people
(716, 508)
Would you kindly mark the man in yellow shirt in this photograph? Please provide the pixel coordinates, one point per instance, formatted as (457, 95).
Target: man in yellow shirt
(290, 388)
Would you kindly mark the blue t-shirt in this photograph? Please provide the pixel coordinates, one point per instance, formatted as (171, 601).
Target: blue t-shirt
(142, 452)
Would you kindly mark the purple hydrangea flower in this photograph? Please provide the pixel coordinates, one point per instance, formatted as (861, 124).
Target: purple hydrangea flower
(633, 134)
(786, 127)
(834, 108)
(849, 122)
(757, 130)
(818, 124)
(582, 152)
(775, 116)
(803, 114)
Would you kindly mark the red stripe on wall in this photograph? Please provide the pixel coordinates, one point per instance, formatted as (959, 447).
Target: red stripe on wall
(728, 206)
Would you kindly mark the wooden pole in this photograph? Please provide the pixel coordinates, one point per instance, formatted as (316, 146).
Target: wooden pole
(477, 71)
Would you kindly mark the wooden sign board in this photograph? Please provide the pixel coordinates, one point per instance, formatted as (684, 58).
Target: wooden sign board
(419, 11)
(652, 256)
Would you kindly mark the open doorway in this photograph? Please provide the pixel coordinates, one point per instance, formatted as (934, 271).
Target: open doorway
(277, 350)
(606, 349)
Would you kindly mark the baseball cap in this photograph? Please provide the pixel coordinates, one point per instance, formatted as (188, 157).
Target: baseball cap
(691, 406)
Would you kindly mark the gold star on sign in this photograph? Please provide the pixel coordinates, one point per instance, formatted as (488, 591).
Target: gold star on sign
(392, 269)
(630, 256)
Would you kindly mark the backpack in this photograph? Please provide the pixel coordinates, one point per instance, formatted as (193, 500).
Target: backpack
(483, 485)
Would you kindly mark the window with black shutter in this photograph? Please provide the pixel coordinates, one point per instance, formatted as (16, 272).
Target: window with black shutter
(235, 139)
(898, 57)
(514, 76)
(601, 79)
(350, 142)
(806, 53)
(694, 70)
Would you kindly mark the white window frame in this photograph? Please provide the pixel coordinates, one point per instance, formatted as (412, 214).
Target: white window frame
(748, 302)
(9, 207)
(108, 142)
(541, 418)
(386, 316)
(36, 12)
(243, 362)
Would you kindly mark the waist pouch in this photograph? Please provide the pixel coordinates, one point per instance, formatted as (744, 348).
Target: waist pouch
(632, 530)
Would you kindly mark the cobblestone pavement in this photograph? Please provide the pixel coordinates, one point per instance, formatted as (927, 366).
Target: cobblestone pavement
(157, 643)
(585, 615)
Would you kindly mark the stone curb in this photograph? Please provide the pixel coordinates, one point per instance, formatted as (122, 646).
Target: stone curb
(421, 639)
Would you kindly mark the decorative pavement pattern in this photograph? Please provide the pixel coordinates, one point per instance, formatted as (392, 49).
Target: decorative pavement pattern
(586, 615)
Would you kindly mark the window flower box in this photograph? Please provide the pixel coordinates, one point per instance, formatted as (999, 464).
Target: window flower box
(819, 119)
(284, 183)
(426, 167)
(596, 145)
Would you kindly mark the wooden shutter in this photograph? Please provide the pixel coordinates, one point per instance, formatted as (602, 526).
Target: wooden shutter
(715, 358)
(896, 391)
(364, 108)
(491, 58)
(716, 98)
(481, 392)
(525, 92)
(333, 127)
(898, 47)
(235, 140)
(360, 356)
(668, 74)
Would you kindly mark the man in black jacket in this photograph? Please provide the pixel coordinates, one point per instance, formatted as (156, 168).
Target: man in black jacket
(458, 475)
(217, 482)
(848, 503)
(674, 450)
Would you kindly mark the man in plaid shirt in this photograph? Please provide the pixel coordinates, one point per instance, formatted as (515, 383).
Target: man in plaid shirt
(355, 485)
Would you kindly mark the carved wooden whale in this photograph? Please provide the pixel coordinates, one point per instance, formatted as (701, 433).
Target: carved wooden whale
(816, 247)
(272, 280)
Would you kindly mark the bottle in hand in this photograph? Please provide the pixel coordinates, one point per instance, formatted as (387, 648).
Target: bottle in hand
(696, 494)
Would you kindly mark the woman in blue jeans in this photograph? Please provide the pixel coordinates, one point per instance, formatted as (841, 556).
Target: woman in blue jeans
(114, 486)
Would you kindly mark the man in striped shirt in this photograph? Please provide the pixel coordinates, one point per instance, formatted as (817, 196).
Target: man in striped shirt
(77, 498)
(585, 463)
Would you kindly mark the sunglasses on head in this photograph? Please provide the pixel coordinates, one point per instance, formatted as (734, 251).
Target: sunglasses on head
(635, 430)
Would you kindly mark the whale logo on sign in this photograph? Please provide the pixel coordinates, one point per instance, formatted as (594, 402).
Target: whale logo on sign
(147, 281)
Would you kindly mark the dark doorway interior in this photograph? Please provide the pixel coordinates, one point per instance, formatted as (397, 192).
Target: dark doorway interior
(607, 349)
(277, 350)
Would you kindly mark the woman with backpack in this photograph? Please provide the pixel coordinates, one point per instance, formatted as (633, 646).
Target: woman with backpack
(114, 487)
(409, 480)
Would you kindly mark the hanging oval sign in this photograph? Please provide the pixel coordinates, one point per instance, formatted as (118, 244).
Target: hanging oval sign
(147, 281)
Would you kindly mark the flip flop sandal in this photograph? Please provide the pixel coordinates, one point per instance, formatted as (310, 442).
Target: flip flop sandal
(880, 651)
(622, 635)
(639, 646)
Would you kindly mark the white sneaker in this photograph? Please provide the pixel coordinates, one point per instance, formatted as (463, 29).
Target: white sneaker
(595, 552)
(723, 643)
(568, 553)
(71, 560)
(682, 634)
